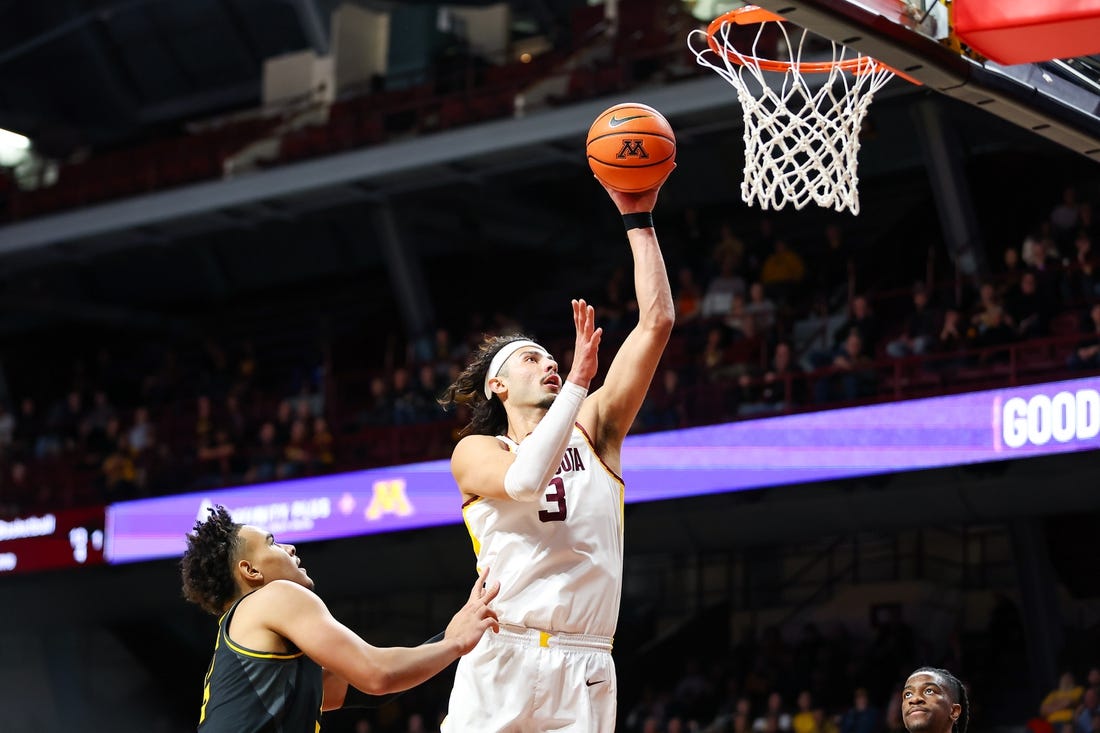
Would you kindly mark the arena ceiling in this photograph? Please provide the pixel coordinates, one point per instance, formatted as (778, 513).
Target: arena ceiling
(78, 73)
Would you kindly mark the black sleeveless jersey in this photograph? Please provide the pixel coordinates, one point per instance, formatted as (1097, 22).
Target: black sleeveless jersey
(247, 691)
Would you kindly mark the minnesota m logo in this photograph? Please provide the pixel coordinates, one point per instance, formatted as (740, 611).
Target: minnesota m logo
(388, 497)
(632, 149)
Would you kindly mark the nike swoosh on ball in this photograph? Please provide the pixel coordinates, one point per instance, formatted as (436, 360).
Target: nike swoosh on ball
(615, 121)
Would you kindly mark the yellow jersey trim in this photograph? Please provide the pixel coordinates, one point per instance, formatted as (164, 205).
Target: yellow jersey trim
(473, 538)
(244, 651)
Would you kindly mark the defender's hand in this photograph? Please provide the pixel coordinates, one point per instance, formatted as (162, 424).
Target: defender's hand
(471, 621)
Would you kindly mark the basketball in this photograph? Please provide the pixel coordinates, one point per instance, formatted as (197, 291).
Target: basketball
(631, 147)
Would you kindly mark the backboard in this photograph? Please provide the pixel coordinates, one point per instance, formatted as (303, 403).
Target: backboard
(926, 17)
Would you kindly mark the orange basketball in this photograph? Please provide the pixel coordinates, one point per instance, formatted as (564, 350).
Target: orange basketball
(631, 147)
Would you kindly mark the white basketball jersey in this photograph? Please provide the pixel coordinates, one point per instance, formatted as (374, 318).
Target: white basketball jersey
(559, 560)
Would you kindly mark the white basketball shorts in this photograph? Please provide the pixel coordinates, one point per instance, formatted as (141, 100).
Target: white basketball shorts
(531, 681)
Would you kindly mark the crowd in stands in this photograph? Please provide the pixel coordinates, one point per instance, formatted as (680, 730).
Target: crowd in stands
(767, 322)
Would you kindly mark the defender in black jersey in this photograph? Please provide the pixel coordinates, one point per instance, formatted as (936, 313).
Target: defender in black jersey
(280, 657)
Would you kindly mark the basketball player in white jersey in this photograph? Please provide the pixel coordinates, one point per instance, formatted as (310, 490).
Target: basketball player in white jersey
(539, 471)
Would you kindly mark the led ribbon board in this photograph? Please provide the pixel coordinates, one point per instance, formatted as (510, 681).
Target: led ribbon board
(977, 427)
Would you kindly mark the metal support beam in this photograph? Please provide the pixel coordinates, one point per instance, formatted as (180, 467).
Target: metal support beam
(314, 26)
(1039, 599)
(406, 274)
(943, 158)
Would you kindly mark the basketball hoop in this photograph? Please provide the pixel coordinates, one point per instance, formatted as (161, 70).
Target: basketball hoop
(801, 138)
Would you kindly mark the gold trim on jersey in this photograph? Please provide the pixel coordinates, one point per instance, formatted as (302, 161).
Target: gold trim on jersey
(245, 651)
(617, 477)
(209, 673)
(469, 530)
(592, 446)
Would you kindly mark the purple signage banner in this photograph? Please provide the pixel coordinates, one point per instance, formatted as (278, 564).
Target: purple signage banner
(993, 425)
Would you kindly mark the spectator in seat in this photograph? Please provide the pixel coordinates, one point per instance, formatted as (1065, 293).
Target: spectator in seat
(663, 408)
(1060, 704)
(862, 717)
(920, 328)
(990, 324)
(951, 339)
(729, 245)
(407, 406)
(803, 721)
(218, 458)
(761, 309)
(321, 446)
(834, 267)
(119, 472)
(688, 300)
(204, 421)
(718, 297)
(741, 324)
(777, 389)
(1087, 719)
(427, 391)
(379, 409)
(854, 375)
(101, 413)
(1064, 216)
(782, 271)
(862, 319)
(284, 419)
(1082, 277)
(1092, 679)
(264, 456)
(1013, 267)
(1087, 353)
(1027, 308)
(141, 434)
(775, 717)
(714, 363)
(63, 427)
(296, 455)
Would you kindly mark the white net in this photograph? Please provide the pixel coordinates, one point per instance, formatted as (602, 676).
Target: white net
(801, 138)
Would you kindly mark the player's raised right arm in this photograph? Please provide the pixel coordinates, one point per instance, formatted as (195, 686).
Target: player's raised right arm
(628, 378)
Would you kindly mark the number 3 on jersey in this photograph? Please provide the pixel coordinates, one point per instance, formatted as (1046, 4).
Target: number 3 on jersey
(555, 495)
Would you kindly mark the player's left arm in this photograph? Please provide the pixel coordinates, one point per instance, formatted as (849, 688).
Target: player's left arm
(612, 408)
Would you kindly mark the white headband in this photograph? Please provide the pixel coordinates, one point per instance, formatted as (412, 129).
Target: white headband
(502, 356)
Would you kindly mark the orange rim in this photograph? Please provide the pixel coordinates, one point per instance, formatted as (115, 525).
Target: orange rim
(751, 14)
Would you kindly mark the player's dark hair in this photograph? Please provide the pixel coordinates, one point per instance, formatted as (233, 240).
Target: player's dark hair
(958, 694)
(207, 564)
(489, 417)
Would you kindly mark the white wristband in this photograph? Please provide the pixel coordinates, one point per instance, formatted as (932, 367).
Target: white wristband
(540, 454)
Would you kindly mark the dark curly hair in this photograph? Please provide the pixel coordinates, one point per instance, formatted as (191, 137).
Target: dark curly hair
(489, 417)
(958, 694)
(207, 564)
